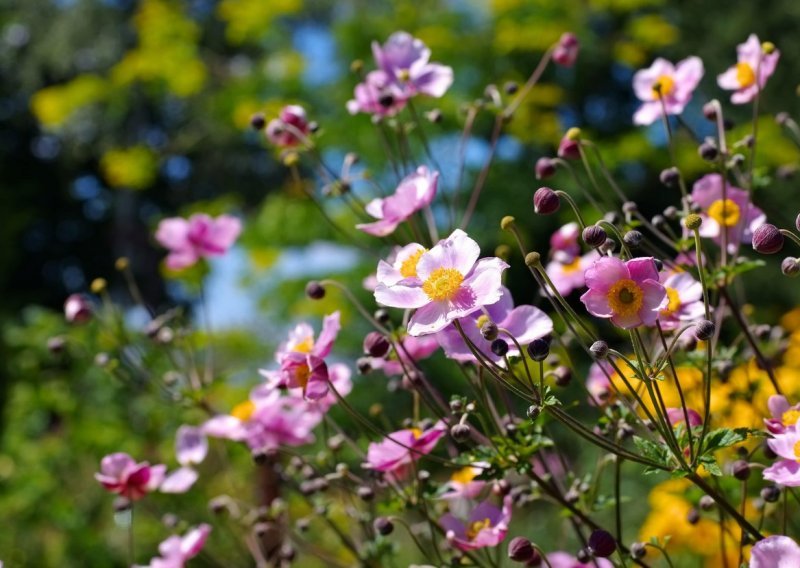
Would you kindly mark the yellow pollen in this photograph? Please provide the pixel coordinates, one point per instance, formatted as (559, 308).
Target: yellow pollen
(443, 284)
(481, 321)
(416, 432)
(625, 297)
(725, 212)
(465, 474)
(477, 526)
(409, 267)
(404, 74)
(304, 346)
(745, 75)
(790, 417)
(301, 375)
(797, 451)
(573, 266)
(663, 86)
(674, 302)
(244, 410)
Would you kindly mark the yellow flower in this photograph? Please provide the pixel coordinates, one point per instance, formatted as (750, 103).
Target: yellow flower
(130, 168)
(53, 106)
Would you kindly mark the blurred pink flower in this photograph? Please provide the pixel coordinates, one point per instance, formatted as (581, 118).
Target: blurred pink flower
(627, 292)
(667, 84)
(406, 61)
(410, 349)
(752, 61)
(567, 273)
(775, 551)
(565, 240)
(120, 474)
(565, 560)
(77, 308)
(566, 50)
(684, 300)
(598, 383)
(785, 471)
(783, 416)
(377, 95)
(486, 525)
(176, 551)
(199, 236)
(289, 129)
(399, 449)
(675, 417)
(415, 192)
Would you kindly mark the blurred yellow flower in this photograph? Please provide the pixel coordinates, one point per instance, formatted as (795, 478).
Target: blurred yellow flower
(250, 19)
(130, 168)
(55, 105)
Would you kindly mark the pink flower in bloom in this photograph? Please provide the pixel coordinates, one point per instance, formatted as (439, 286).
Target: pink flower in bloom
(77, 309)
(566, 50)
(675, 417)
(785, 471)
(377, 95)
(462, 484)
(410, 349)
(191, 447)
(775, 551)
(199, 236)
(414, 193)
(567, 274)
(733, 214)
(685, 300)
(399, 449)
(566, 560)
(176, 550)
(752, 61)
(289, 129)
(406, 61)
(486, 525)
(452, 283)
(665, 84)
(526, 323)
(627, 292)
(119, 473)
(401, 265)
(565, 240)
(783, 416)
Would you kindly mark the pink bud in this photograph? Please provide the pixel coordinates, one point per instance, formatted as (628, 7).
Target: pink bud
(566, 51)
(77, 309)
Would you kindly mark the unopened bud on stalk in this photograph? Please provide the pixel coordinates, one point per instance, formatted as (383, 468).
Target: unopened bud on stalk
(797, 222)
(569, 149)
(520, 549)
(708, 151)
(693, 221)
(704, 330)
(383, 526)
(315, 290)
(599, 349)
(376, 344)
(533, 259)
(767, 239)
(790, 266)
(258, 121)
(608, 247)
(671, 212)
(670, 177)
(658, 221)
(546, 201)
(612, 217)
(461, 432)
(434, 116)
(638, 550)
(693, 516)
(601, 543)
(740, 470)
(507, 222)
(489, 331)
(56, 344)
(710, 111)
(499, 347)
(539, 349)
(770, 494)
(563, 375)
(365, 493)
(629, 207)
(545, 168)
(364, 365)
(534, 411)
(594, 236)
(633, 238)
(706, 503)
(77, 309)
(381, 315)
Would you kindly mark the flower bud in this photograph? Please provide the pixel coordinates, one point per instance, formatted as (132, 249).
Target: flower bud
(376, 344)
(638, 550)
(383, 526)
(706, 502)
(499, 347)
(315, 290)
(741, 470)
(671, 212)
(563, 375)
(710, 111)
(767, 239)
(693, 516)
(533, 259)
(599, 349)
(507, 222)
(460, 432)
(594, 236)
(658, 221)
(520, 549)
(629, 207)
(258, 121)
(489, 331)
(708, 151)
(633, 238)
(56, 344)
(365, 493)
(602, 543)
(693, 221)
(364, 365)
(704, 330)
(434, 116)
(545, 168)
(566, 50)
(77, 309)
(584, 555)
(534, 411)
(539, 349)
(609, 246)
(670, 177)
(546, 201)
(569, 149)
(790, 266)
(770, 494)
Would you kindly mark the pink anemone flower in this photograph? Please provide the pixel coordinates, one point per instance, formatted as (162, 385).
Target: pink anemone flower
(685, 300)
(400, 449)
(77, 309)
(783, 415)
(676, 417)
(401, 265)
(452, 283)
(409, 350)
(290, 128)
(628, 293)
(463, 485)
(785, 471)
(664, 87)
(120, 474)
(176, 551)
(566, 50)
(415, 192)
(752, 61)
(775, 551)
(526, 324)
(199, 236)
(565, 239)
(486, 526)
(377, 95)
(406, 61)
(598, 383)
(565, 560)
(567, 273)
(726, 209)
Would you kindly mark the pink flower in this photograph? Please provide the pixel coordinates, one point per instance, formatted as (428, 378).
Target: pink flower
(176, 551)
(451, 283)
(566, 50)
(486, 525)
(290, 128)
(734, 214)
(399, 449)
(783, 416)
(406, 61)
(598, 383)
(462, 484)
(410, 349)
(753, 60)
(415, 192)
(199, 236)
(77, 309)
(684, 300)
(401, 265)
(377, 95)
(120, 474)
(526, 323)
(566, 560)
(785, 471)
(775, 551)
(675, 417)
(567, 274)
(667, 84)
(565, 240)
(627, 292)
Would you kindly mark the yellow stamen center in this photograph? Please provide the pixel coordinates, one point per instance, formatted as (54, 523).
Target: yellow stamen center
(663, 86)
(244, 410)
(304, 346)
(301, 374)
(443, 284)
(465, 474)
(409, 267)
(477, 526)
(416, 432)
(674, 302)
(481, 321)
(403, 74)
(797, 451)
(625, 297)
(790, 417)
(573, 266)
(745, 75)
(725, 212)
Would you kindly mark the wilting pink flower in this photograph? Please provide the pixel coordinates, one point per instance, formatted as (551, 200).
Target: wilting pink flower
(783, 416)
(77, 309)
(684, 300)
(567, 274)
(289, 129)
(566, 560)
(119, 473)
(199, 236)
(415, 192)
(526, 323)
(565, 240)
(377, 95)
(598, 383)
(399, 449)
(752, 62)
(627, 292)
(451, 283)
(486, 525)
(409, 349)
(775, 551)
(785, 471)
(734, 214)
(665, 84)
(176, 550)
(675, 417)
(566, 50)
(406, 60)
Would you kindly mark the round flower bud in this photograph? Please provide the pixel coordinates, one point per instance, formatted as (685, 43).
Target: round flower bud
(546, 201)
(584, 555)
(499, 347)
(770, 494)
(782, 118)
(704, 330)
(633, 238)
(609, 246)
(790, 266)
(376, 344)
(670, 177)
(612, 217)
(258, 121)
(797, 222)
(569, 149)
(56, 344)
(539, 349)
(594, 236)
(98, 285)
(460, 432)
(77, 309)
(315, 290)
(365, 493)
(383, 526)
(693, 221)
(706, 502)
(629, 207)
(671, 212)
(710, 111)
(566, 50)
(658, 221)
(708, 151)
(638, 550)
(601, 543)
(122, 263)
(381, 315)
(693, 516)
(534, 411)
(489, 331)
(563, 375)
(533, 259)
(364, 365)
(510, 87)
(741, 470)
(520, 549)
(767, 239)
(434, 116)
(599, 349)
(506, 222)
(545, 168)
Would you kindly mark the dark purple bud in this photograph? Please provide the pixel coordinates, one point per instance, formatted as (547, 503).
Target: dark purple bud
(315, 290)
(545, 168)
(797, 222)
(629, 207)
(599, 349)
(594, 236)
(741, 470)
(56, 344)
(570, 146)
(461, 432)
(364, 365)
(258, 121)
(489, 331)
(534, 411)
(767, 239)
(366, 493)
(770, 494)
(609, 246)
(511, 87)
(383, 526)
(499, 347)
(790, 266)
(376, 344)
(633, 238)
(602, 543)
(693, 516)
(563, 375)
(520, 549)
(638, 550)
(708, 151)
(545, 201)
(539, 349)
(670, 177)
(706, 502)
(77, 309)
(710, 111)
(704, 330)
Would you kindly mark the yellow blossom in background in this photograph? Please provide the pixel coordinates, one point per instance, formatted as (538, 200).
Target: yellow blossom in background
(251, 19)
(53, 106)
(130, 168)
(652, 31)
